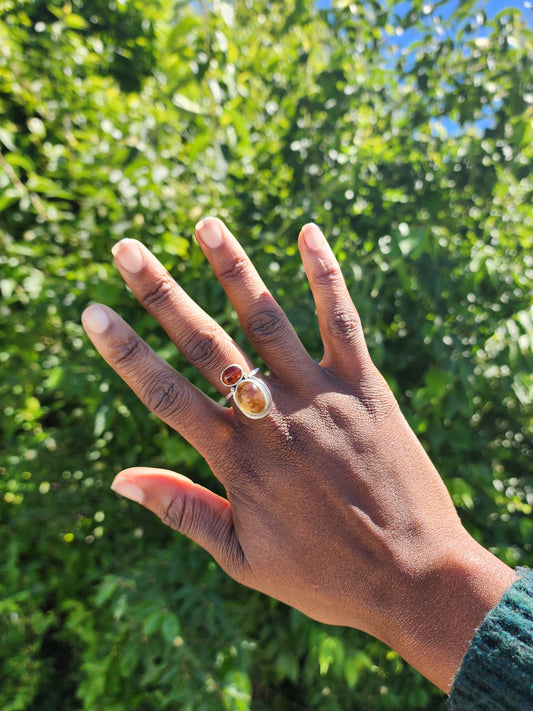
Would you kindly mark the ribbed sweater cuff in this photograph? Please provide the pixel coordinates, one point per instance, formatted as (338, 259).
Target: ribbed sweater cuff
(497, 671)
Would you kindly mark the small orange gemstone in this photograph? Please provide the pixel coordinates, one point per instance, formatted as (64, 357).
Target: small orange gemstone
(231, 375)
(250, 398)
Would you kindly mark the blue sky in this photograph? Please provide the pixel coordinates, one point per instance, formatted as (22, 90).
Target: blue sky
(491, 7)
(444, 10)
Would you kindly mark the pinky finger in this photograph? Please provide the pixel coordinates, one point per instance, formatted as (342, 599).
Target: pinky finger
(345, 349)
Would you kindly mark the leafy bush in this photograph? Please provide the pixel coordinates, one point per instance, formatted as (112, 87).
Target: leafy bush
(405, 134)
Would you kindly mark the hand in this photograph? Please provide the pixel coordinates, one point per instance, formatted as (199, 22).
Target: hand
(332, 504)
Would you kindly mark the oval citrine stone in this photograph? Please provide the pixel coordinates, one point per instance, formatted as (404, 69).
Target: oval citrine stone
(251, 398)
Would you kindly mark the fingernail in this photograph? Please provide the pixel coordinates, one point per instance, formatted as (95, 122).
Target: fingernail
(209, 232)
(95, 319)
(313, 237)
(128, 254)
(128, 489)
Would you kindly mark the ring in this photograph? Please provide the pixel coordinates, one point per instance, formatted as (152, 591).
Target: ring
(251, 395)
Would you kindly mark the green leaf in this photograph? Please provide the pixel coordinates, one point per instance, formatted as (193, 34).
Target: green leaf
(7, 139)
(75, 22)
(182, 29)
(154, 622)
(187, 105)
(106, 589)
(413, 243)
(461, 492)
(351, 673)
(237, 690)
(287, 666)
(331, 652)
(170, 627)
(100, 420)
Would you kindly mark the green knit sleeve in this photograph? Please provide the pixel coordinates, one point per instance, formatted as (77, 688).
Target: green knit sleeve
(497, 671)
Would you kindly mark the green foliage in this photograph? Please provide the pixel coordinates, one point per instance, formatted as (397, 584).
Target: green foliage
(408, 137)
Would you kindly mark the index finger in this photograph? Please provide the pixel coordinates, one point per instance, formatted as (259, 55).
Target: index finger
(165, 392)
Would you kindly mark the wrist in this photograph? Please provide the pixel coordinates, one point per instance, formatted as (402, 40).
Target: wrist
(440, 609)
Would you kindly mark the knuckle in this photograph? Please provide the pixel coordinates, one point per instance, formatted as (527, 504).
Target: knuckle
(290, 438)
(127, 351)
(233, 560)
(201, 350)
(236, 271)
(266, 326)
(345, 325)
(329, 275)
(382, 407)
(376, 396)
(164, 396)
(158, 293)
(174, 513)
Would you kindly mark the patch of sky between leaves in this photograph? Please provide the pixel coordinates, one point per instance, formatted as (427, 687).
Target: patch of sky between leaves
(434, 17)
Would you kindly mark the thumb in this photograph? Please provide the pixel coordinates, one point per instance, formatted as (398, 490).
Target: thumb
(191, 509)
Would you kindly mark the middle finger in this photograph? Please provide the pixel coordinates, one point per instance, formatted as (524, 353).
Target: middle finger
(261, 317)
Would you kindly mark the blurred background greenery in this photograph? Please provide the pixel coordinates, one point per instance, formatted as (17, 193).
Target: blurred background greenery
(405, 131)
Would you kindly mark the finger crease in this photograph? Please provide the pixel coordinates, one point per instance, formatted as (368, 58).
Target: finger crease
(265, 325)
(159, 292)
(127, 351)
(171, 517)
(236, 271)
(202, 350)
